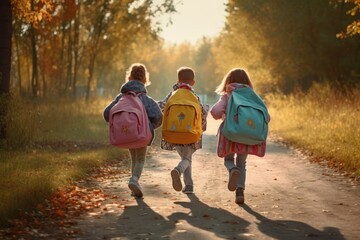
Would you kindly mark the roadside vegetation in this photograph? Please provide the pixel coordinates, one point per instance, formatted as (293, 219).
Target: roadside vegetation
(49, 146)
(83, 49)
(324, 122)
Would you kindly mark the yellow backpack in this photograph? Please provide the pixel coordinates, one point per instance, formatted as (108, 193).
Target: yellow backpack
(182, 121)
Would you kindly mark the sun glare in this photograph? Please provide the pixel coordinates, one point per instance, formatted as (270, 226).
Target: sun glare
(194, 20)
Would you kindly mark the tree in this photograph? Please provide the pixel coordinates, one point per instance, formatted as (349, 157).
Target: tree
(243, 41)
(205, 67)
(21, 9)
(5, 62)
(75, 47)
(353, 28)
(5, 45)
(289, 44)
(130, 23)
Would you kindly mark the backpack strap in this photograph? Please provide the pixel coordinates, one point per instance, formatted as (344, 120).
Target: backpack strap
(240, 85)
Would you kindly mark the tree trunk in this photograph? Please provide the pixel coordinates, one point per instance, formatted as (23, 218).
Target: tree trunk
(35, 75)
(91, 73)
(76, 46)
(28, 78)
(62, 60)
(69, 65)
(5, 61)
(18, 64)
(44, 86)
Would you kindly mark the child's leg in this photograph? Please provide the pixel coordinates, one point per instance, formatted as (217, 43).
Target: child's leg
(133, 159)
(137, 166)
(234, 172)
(229, 162)
(184, 166)
(138, 162)
(188, 175)
(241, 164)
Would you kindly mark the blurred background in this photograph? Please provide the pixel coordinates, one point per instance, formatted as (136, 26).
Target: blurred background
(63, 61)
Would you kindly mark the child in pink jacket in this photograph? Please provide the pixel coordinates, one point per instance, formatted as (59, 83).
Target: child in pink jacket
(234, 154)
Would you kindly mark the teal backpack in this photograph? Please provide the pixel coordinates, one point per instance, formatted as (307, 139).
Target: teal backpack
(247, 117)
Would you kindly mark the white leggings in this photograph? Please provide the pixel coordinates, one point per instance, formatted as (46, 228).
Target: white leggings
(137, 162)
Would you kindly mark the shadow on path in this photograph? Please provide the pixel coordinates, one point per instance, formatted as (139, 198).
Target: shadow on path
(215, 220)
(142, 222)
(294, 230)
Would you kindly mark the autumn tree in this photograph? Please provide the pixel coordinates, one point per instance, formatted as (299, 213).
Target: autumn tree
(23, 10)
(205, 67)
(33, 12)
(292, 43)
(241, 43)
(353, 28)
(5, 61)
(124, 28)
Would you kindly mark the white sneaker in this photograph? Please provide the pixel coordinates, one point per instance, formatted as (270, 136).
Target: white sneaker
(135, 188)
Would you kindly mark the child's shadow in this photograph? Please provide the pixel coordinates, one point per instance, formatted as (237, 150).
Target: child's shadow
(142, 222)
(288, 229)
(222, 223)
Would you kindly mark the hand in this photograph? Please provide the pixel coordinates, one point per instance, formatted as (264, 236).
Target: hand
(206, 107)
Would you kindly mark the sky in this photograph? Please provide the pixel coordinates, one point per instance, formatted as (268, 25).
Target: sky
(195, 19)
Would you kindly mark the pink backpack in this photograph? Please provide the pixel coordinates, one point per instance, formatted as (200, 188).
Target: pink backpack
(129, 123)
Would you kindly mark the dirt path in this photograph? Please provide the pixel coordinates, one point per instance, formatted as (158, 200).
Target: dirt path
(286, 198)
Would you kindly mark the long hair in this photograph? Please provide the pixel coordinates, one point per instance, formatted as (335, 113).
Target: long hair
(235, 75)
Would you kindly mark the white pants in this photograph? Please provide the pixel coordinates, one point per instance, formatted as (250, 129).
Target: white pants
(184, 166)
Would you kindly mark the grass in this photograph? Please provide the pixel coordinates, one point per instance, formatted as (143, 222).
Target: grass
(56, 121)
(324, 122)
(50, 144)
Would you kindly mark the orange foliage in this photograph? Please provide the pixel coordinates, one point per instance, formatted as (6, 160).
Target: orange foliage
(353, 28)
(32, 12)
(56, 217)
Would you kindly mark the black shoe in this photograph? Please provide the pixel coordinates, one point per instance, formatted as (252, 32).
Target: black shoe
(239, 196)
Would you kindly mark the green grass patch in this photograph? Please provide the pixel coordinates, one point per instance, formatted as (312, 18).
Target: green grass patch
(49, 145)
(62, 120)
(323, 121)
(28, 177)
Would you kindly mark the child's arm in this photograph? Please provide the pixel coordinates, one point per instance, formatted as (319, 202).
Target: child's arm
(219, 109)
(164, 101)
(154, 113)
(106, 113)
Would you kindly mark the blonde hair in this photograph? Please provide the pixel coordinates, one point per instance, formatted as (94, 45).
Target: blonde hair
(186, 75)
(235, 75)
(138, 71)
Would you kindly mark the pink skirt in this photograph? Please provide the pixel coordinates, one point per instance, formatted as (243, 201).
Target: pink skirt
(226, 147)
